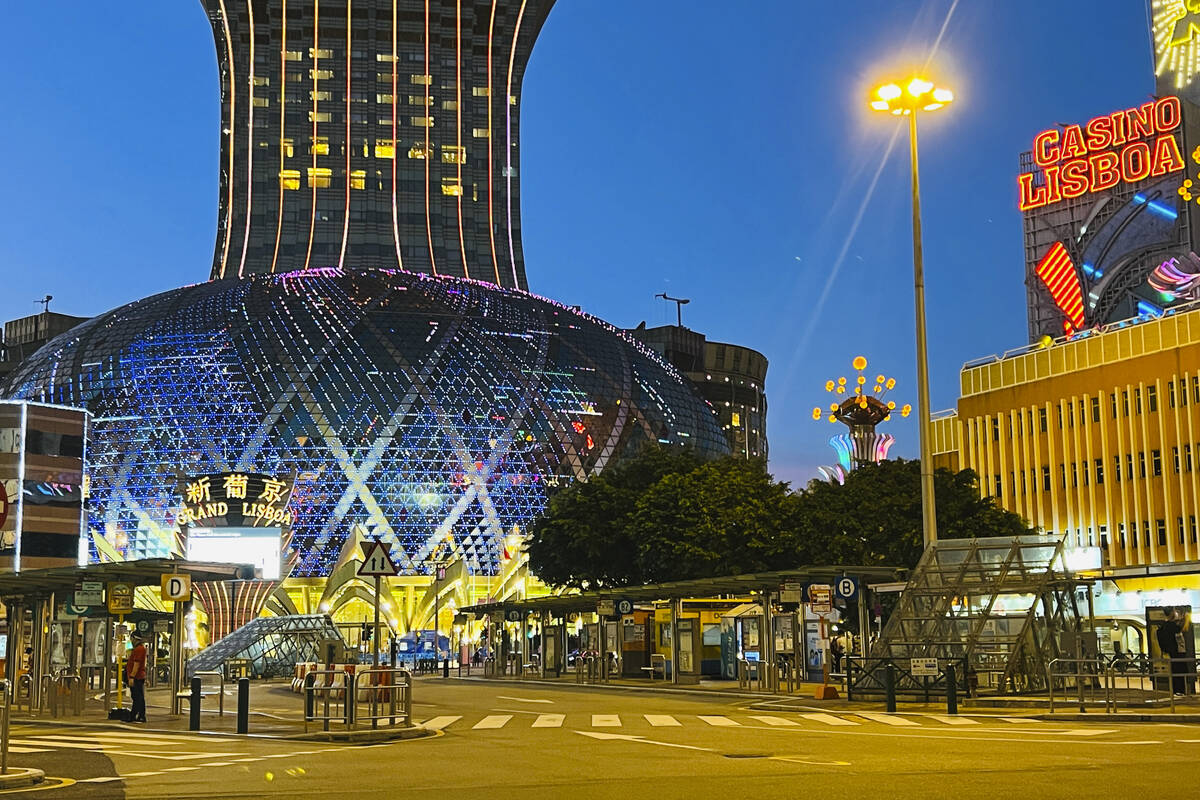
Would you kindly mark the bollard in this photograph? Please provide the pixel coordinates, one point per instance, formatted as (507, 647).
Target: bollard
(194, 711)
(309, 696)
(243, 711)
(951, 690)
(446, 668)
(889, 688)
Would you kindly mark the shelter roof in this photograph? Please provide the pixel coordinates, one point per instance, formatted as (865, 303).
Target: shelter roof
(735, 585)
(144, 572)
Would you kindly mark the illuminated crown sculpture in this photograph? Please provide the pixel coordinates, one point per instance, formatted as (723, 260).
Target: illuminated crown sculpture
(861, 412)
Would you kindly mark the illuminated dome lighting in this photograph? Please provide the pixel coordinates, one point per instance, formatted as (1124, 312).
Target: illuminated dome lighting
(433, 413)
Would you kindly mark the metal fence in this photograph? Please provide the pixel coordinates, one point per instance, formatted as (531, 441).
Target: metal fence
(1121, 680)
(334, 696)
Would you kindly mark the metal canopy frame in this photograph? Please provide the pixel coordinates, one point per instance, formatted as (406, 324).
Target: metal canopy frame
(272, 645)
(1004, 606)
(33, 583)
(757, 582)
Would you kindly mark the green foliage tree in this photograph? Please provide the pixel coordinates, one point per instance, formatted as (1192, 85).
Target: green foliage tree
(875, 517)
(585, 538)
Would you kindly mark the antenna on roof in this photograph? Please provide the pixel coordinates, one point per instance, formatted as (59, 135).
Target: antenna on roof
(45, 301)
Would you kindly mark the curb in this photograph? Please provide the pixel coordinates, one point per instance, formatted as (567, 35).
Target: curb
(372, 735)
(363, 737)
(17, 777)
(1162, 719)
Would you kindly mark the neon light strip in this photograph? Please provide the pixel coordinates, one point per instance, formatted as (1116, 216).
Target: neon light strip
(491, 220)
(81, 555)
(232, 110)
(249, 145)
(512, 53)
(312, 225)
(1058, 274)
(348, 146)
(428, 80)
(395, 144)
(282, 132)
(462, 245)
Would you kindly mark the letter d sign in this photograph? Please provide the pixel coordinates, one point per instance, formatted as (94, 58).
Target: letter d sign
(177, 588)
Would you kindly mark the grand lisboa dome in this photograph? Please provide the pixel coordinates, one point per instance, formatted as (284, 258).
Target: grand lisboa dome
(434, 413)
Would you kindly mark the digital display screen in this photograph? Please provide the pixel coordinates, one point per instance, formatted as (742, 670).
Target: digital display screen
(257, 546)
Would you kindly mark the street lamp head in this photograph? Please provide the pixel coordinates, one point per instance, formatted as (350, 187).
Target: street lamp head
(918, 95)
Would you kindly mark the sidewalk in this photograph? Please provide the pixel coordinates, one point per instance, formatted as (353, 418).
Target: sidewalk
(276, 712)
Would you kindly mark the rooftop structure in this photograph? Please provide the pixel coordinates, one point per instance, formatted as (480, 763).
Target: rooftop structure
(372, 135)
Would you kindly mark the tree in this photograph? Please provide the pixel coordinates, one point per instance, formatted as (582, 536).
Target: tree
(721, 518)
(585, 537)
(875, 517)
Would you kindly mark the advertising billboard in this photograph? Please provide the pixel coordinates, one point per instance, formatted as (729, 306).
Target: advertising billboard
(241, 545)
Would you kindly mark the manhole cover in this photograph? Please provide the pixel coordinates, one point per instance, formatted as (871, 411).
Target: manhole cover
(746, 755)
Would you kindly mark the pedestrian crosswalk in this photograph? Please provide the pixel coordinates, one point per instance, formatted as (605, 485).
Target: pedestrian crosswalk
(783, 720)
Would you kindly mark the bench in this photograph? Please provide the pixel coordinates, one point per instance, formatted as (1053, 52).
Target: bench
(529, 669)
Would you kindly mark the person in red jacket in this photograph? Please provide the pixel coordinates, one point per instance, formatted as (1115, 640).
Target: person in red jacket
(135, 677)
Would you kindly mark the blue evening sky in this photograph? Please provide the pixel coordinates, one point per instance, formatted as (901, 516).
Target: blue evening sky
(719, 151)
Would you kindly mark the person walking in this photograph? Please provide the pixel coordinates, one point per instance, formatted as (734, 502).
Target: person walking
(135, 678)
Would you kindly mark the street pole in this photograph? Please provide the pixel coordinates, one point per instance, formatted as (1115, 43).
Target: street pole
(375, 630)
(928, 506)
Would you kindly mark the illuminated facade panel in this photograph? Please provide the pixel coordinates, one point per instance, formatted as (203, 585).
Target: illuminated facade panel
(1096, 437)
(432, 413)
(372, 133)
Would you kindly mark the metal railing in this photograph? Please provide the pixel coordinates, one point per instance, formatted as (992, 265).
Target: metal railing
(1105, 682)
(587, 668)
(658, 661)
(220, 676)
(1087, 678)
(381, 693)
(745, 668)
(24, 690)
(61, 689)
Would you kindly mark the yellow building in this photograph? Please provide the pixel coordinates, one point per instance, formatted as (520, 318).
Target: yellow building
(1097, 438)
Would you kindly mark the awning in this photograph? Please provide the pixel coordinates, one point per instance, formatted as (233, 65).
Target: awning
(36, 583)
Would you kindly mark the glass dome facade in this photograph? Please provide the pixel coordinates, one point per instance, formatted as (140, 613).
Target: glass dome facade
(434, 413)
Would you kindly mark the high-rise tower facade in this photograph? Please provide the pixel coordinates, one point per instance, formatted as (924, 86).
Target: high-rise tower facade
(372, 133)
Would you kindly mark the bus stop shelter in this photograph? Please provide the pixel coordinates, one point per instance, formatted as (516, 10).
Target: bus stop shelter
(42, 592)
(767, 589)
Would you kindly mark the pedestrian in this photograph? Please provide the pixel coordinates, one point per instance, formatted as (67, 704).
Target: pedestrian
(135, 678)
(837, 649)
(1169, 637)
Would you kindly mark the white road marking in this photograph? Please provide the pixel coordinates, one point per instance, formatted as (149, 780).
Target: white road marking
(12, 748)
(140, 774)
(492, 721)
(662, 720)
(549, 721)
(718, 721)
(828, 719)
(798, 760)
(886, 719)
(164, 757)
(606, 721)
(440, 723)
(62, 741)
(1020, 720)
(775, 721)
(627, 738)
(180, 769)
(951, 720)
(100, 779)
(523, 699)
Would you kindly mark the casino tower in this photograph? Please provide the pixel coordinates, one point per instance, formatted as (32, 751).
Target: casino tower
(372, 134)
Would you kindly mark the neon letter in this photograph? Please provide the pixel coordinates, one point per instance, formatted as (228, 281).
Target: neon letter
(1167, 114)
(1135, 162)
(1075, 177)
(1104, 173)
(1031, 196)
(1073, 146)
(1166, 156)
(1045, 151)
(1099, 133)
(1141, 121)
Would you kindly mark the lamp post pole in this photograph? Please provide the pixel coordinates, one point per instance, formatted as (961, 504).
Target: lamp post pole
(918, 95)
(928, 505)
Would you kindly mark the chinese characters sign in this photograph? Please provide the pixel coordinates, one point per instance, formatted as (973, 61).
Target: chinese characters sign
(1122, 147)
(235, 499)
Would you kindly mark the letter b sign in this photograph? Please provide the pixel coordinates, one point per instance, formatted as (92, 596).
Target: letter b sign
(177, 588)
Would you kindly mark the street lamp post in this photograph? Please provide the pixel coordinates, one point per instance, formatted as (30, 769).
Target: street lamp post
(918, 95)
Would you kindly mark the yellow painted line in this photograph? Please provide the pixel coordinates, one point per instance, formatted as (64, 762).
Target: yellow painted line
(43, 786)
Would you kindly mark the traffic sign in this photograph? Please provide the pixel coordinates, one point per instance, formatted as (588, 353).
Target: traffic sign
(89, 593)
(791, 592)
(847, 587)
(624, 607)
(820, 598)
(923, 667)
(377, 561)
(177, 588)
(120, 598)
